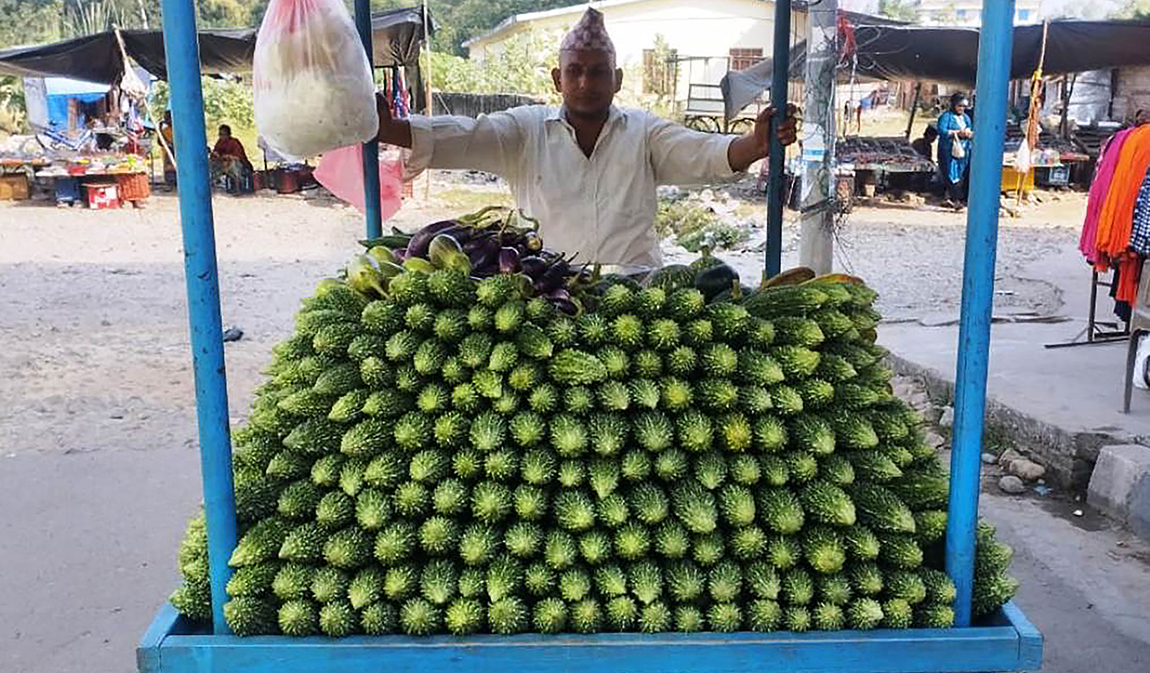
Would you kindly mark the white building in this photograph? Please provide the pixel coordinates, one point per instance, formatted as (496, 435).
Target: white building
(969, 12)
(708, 37)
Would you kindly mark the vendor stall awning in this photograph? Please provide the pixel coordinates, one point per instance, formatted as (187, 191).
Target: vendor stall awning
(396, 35)
(950, 55)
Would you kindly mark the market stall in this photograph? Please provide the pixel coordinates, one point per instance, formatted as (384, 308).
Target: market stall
(90, 144)
(1004, 640)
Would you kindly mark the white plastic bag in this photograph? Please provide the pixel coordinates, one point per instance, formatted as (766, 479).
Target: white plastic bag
(314, 90)
(1142, 364)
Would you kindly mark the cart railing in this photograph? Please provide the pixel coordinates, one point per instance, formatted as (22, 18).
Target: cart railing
(1006, 642)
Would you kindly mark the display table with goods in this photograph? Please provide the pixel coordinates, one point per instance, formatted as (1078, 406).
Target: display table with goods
(105, 180)
(467, 435)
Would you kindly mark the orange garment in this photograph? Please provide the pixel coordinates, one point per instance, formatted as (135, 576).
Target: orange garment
(1129, 271)
(1117, 217)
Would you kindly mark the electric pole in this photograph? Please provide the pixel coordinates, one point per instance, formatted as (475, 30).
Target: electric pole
(816, 243)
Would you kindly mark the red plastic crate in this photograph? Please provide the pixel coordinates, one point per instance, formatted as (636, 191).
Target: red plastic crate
(102, 196)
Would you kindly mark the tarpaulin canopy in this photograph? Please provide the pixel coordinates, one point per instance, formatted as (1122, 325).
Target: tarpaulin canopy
(396, 38)
(950, 55)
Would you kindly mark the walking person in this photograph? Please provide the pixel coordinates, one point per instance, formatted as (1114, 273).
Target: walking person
(955, 143)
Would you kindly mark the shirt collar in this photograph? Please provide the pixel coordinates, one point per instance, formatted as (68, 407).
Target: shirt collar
(614, 116)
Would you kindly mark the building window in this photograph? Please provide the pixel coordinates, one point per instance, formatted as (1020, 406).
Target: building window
(741, 59)
(1024, 15)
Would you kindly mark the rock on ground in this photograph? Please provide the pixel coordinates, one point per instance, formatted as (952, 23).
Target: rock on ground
(1012, 485)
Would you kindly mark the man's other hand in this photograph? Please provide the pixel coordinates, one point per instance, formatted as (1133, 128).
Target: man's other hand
(391, 131)
(788, 128)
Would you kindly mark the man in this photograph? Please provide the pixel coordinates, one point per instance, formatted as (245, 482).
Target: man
(230, 159)
(587, 170)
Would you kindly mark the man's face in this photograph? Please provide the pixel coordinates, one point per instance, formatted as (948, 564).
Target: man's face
(225, 133)
(588, 81)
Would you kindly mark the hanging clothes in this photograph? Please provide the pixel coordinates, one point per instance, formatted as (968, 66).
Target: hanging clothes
(1140, 230)
(1099, 188)
(1116, 219)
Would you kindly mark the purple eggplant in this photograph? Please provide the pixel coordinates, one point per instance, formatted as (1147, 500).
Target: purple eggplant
(417, 246)
(553, 279)
(400, 254)
(508, 260)
(484, 255)
(561, 294)
(566, 306)
(533, 241)
(534, 266)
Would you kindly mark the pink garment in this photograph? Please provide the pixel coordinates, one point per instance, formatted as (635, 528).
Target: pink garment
(341, 172)
(1099, 188)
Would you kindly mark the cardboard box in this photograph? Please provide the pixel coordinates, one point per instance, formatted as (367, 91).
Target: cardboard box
(14, 188)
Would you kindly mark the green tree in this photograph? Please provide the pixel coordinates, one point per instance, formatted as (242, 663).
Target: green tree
(29, 22)
(522, 65)
(900, 10)
(1135, 9)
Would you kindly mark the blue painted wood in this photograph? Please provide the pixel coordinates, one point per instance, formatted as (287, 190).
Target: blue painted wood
(148, 651)
(182, 47)
(1030, 638)
(1007, 645)
(371, 207)
(779, 83)
(994, 49)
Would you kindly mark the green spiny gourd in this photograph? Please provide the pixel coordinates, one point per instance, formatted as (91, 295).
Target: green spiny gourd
(786, 401)
(615, 361)
(881, 509)
(449, 460)
(782, 510)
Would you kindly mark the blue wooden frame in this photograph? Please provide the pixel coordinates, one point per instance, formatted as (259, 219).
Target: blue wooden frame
(1004, 642)
(1008, 642)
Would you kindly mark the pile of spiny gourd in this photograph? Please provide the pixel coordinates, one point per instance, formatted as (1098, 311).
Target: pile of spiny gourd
(454, 457)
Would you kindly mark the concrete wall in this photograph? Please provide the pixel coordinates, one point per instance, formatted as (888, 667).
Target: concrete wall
(1131, 92)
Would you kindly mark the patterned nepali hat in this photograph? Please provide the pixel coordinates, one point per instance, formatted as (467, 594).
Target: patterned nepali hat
(590, 34)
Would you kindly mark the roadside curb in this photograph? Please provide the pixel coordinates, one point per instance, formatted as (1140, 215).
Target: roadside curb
(1068, 455)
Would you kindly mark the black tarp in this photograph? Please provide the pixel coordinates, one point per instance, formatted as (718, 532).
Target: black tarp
(950, 55)
(396, 38)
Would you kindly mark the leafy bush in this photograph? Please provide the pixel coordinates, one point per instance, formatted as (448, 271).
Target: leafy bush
(694, 225)
(521, 65)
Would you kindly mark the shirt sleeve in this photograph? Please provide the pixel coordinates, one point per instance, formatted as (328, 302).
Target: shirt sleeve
(946, 125)
(491, 143)
(681, 156)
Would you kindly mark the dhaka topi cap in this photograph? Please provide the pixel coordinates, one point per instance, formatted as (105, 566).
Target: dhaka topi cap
(590, 34)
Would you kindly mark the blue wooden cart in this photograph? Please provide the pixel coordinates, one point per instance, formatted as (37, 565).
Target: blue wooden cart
(1004, 642)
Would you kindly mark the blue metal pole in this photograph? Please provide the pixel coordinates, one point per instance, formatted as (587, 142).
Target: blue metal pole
(183, 57)
(779, 82)
(994, 49)
(371, 206)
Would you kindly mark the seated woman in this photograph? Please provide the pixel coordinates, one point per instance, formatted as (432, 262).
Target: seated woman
(230, 159)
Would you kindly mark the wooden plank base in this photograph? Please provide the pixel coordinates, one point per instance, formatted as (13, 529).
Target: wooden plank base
(1007, 642)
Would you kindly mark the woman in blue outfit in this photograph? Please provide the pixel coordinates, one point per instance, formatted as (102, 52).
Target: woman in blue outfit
(954, 145)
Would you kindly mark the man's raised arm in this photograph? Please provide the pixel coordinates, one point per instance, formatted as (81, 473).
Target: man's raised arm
(491, 143)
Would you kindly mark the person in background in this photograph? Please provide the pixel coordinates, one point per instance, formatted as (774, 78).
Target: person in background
(587, 170)
(168, 149)
(955, 134)
(925, 145)
(229, 158)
